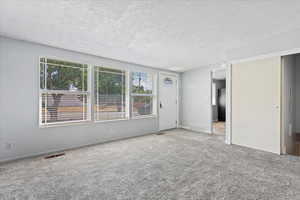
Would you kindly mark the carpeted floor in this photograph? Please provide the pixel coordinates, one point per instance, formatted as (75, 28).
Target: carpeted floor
(176, 165)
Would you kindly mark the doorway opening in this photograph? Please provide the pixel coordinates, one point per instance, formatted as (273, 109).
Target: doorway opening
(290, 96)
(218, 102)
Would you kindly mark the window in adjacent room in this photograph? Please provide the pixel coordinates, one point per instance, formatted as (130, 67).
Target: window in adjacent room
(142, 94)
(214, 94)
(110, 94)
(64, 93)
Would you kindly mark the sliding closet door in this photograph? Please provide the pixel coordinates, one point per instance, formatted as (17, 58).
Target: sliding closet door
(256, 104)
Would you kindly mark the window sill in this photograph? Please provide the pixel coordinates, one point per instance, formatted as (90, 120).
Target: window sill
(144, 117)
(62, 124)
(111, 120)
(77, 123)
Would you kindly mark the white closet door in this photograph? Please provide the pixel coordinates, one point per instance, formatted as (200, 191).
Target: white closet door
(256, 99)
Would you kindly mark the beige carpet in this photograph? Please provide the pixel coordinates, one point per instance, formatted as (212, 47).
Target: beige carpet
(176, 165)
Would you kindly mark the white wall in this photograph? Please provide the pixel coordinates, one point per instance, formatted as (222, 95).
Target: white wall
(256, 100)
(196, 100)
(19, 102)
(219, 74)
(196, 113)
(297, 96)
(288, 107)
(1, 96)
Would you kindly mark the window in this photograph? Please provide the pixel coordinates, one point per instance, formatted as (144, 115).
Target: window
(110, 94)
(142, 94)
(64, 91)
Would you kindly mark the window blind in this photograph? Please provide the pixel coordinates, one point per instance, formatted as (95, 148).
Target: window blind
(64, 94)
(110, 94)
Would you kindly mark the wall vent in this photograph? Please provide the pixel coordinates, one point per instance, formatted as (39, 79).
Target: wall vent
(55, 155)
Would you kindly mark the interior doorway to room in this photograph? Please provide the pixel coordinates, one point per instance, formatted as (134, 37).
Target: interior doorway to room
(168, 101)
(218, 102)
(290, 107)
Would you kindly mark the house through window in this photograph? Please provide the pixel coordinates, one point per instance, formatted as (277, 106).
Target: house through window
(64, 91)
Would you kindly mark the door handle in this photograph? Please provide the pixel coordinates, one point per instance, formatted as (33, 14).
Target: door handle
(160, 105)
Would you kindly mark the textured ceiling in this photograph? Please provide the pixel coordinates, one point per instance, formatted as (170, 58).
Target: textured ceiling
(170, 34)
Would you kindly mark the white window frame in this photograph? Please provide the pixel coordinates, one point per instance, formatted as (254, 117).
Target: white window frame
(127, 99)
(153, 95)
(46, 91)
(90, 94)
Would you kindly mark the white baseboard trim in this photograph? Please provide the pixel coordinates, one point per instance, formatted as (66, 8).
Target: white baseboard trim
(196, 130)
(33, 155)
(201, 131)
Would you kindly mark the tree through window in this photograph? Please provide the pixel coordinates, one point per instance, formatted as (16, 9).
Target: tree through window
(64, 91)
(110, 94)
(142, 94)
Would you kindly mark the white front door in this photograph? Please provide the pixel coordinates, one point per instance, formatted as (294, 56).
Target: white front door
(167, 101)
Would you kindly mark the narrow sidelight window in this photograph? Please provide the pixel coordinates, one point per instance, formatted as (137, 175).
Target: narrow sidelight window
(142, 94)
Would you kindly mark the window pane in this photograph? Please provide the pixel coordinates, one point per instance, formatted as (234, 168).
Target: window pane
(142, 105)
(61, 62)
(42, 75)
(214, 93)
(63, 108)
(142, 83)
(109, 94)
(62, 75)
